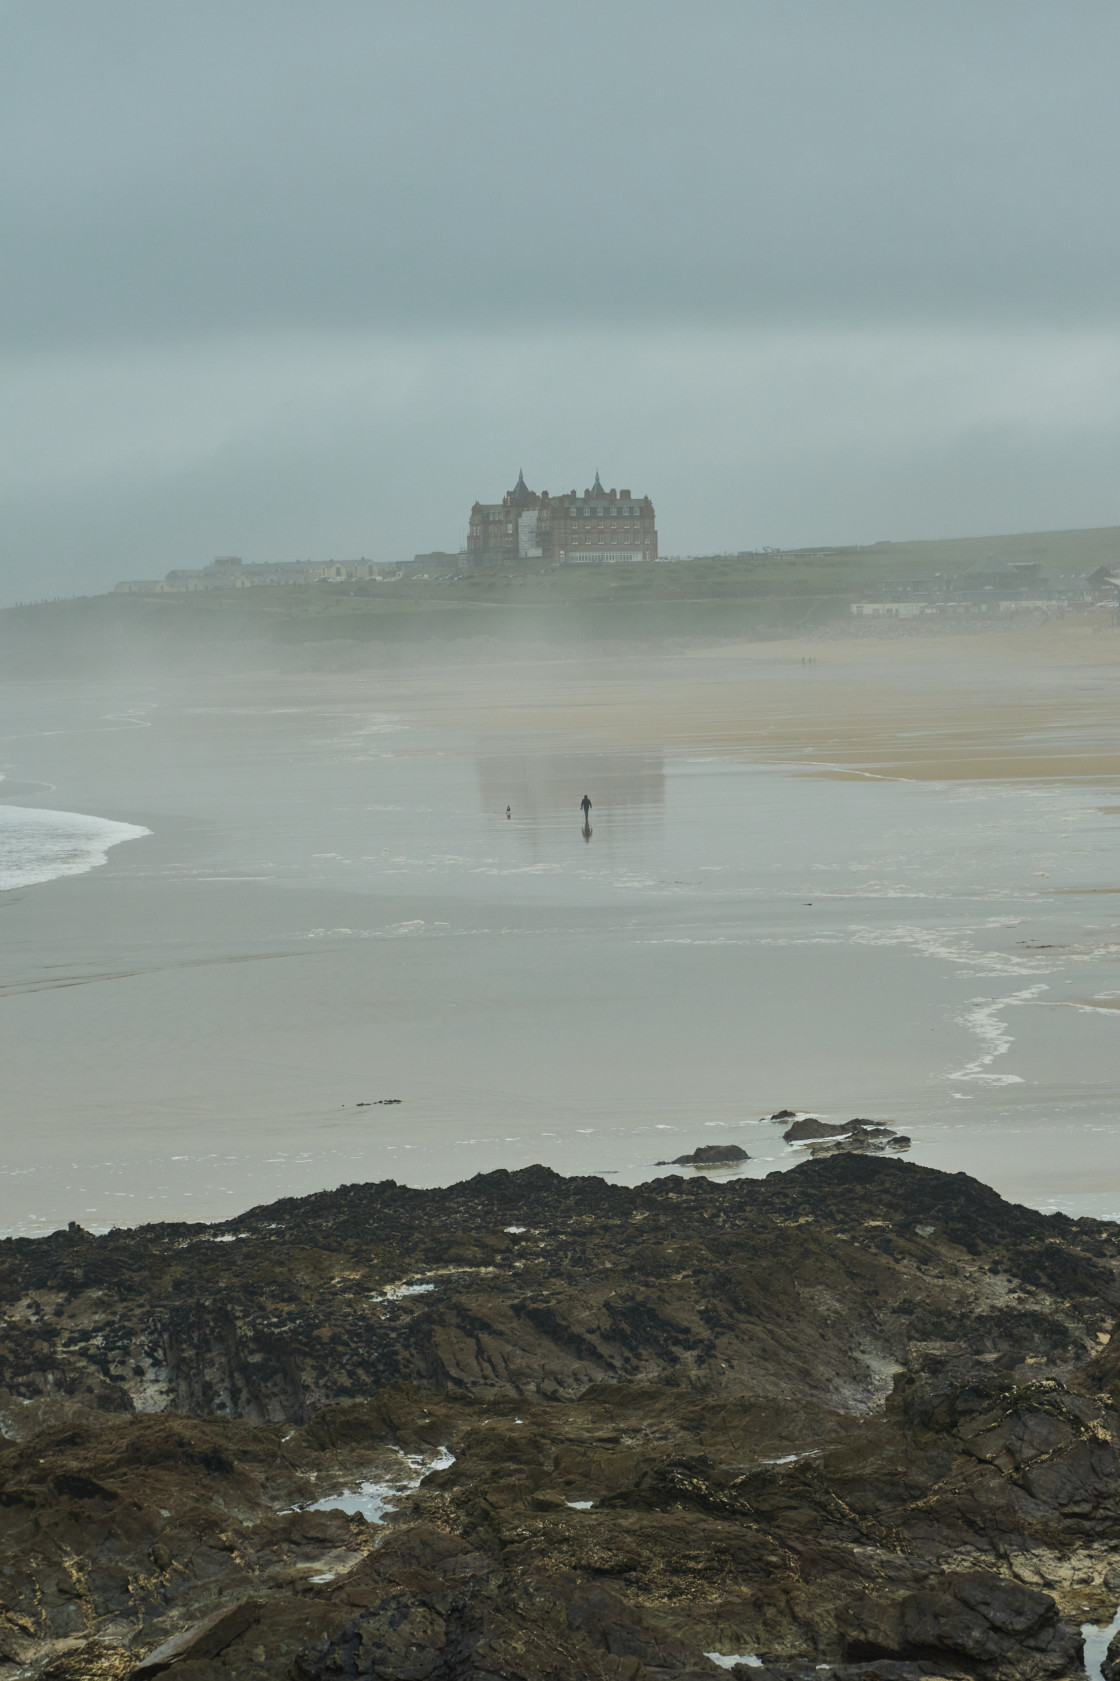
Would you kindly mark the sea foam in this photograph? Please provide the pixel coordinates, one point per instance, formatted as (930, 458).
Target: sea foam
(38, 846)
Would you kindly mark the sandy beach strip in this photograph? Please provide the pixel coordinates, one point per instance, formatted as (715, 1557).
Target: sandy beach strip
(1036, 704)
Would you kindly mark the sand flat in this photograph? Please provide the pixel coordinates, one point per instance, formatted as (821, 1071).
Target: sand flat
(860, 886)
(1036, 703)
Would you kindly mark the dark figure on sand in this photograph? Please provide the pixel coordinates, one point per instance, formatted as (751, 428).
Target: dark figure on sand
(585, 807)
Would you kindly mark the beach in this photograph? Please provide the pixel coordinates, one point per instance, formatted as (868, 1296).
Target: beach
(842, 876)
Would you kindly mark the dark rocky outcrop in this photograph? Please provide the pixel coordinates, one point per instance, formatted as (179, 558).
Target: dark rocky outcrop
(709, 1155)
(992, 1625)
(810, 1127)
(868, 1140)
(857, 1419)
(825, 1138)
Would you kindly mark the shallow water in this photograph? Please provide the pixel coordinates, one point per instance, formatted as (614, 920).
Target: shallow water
(333, 909)
(374, 1498)
(1097, 1640)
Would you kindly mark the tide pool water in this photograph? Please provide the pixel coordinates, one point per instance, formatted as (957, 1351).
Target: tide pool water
(334, 957)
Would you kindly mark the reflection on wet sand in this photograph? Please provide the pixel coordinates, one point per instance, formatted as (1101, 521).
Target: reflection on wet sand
(745, 933)
(541, 790)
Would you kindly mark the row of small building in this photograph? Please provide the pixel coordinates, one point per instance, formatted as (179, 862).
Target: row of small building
(601, 527)
(1015, 586)
(230, 572)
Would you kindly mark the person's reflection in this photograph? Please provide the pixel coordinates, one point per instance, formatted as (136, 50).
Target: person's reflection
(586, 830)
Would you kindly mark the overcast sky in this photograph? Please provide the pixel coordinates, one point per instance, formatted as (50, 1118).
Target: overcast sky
(288, 280)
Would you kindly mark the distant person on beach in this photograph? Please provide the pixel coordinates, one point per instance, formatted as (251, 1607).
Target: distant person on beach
(585, 807)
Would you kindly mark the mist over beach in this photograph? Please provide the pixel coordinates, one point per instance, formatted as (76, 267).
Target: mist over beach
(843, 876)
(321, 622)
(559, 817)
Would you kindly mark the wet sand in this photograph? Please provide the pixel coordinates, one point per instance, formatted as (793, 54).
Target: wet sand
(874, 884)
(1037, 703)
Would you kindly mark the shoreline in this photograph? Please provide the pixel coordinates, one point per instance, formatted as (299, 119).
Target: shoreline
(41, 844)
(185, 946)
(740, 1422)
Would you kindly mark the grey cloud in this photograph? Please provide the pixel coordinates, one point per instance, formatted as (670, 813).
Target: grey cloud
(202, 167)
(288, 279)
(369, 445)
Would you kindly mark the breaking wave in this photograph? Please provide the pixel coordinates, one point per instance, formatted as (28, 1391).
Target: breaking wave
(38, 846)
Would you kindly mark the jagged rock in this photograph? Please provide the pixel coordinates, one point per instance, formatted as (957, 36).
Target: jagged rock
(203, 1640)
(998, 1627)
(825, 1417)
(810, 1127)
(872, 1139)
(825, 1136)
(708, 1155)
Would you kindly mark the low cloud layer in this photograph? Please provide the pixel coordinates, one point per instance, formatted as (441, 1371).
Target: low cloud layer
(285, 281)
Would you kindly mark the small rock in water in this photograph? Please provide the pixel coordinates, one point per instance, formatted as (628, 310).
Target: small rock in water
(810, 1127)
(785, 1115)
(708, 1155)
(824, 1138)
(871, 1140)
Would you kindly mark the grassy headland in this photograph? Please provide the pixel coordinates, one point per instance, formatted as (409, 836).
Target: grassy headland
(778, 594)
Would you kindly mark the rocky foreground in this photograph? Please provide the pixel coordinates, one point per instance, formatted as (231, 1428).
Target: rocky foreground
(861, 1415)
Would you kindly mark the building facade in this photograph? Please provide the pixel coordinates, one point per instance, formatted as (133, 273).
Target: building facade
(601, 527)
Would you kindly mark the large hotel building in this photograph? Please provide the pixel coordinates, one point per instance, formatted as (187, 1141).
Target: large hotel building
(601, 526)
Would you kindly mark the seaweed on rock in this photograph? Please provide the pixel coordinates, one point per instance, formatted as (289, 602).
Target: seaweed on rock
(860, 1415)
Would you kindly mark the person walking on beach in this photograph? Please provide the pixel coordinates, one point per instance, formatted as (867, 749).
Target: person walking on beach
(585, 807)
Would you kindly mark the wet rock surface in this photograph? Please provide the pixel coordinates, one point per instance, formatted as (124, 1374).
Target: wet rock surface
(857, 1421)
(871, 1138)
(709, 1155)
(810, 1127)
